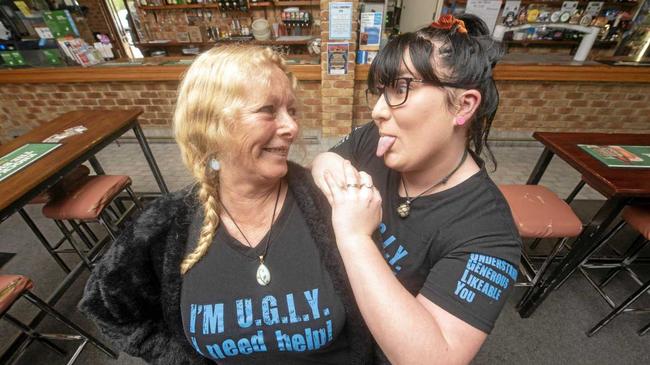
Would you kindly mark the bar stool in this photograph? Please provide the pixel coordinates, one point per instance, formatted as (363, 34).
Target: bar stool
(14, 287)
(638, 218)
(539, 213)
(90, 201)
(69, 181)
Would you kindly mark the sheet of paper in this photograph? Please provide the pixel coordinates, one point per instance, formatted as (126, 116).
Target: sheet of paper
(488, 10)
(340, 21)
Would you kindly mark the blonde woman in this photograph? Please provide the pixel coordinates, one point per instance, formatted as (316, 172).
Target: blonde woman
(242, 268)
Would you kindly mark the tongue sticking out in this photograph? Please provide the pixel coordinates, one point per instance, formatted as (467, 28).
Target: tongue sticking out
(384, 145)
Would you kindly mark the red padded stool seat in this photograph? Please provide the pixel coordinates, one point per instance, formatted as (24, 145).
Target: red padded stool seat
(638, 218)
(14, 287)
(11, 288)
(539, 213)
(88, 200)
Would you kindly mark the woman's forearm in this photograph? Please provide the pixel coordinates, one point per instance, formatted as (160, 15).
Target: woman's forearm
(404, 329)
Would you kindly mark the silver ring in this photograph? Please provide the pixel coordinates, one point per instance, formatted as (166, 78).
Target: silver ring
(351, 186)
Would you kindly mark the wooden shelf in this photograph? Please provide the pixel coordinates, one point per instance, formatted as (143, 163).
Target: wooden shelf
(172, 44)
(270, 42)
(557, 4)
(558, 43)
(262, 4)
(297, 3)
(178, 7)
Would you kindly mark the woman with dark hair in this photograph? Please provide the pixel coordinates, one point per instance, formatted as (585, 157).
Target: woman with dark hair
(431, 288)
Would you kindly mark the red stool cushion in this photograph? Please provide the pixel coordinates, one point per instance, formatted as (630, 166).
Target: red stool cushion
(87, 200)
(638, 218)
(539, 213)
(68, 182)
(11, 287)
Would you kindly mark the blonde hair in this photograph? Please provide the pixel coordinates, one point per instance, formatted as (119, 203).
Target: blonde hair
(214, 91)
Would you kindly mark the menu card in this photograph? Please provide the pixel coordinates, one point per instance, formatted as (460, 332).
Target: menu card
(620, 156)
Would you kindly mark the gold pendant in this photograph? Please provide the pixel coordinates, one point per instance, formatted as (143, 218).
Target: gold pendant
(263, 275)
(404, 209)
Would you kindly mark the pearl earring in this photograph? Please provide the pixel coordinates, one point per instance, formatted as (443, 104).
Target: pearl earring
(460, 121)
(214, 164)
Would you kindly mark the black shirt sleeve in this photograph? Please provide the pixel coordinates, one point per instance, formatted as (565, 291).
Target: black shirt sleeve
(359, 146)
(473, 281)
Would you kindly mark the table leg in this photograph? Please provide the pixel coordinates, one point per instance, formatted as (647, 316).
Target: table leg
(41, 238)
(150, 159)
(97, 167)
(583, 246)
(542, 163)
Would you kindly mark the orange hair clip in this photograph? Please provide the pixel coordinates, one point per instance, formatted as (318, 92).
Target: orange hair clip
(448, 21)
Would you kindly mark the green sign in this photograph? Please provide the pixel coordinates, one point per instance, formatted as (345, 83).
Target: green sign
(23, 156)
(60, 23)
(620, 156)
(13, 58)
(52, 57)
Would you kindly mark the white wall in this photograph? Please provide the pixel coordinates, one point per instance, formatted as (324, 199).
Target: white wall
(416, 14)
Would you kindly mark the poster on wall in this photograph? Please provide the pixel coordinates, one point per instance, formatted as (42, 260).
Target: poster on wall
(488, 10)
(337, 58)
(370, 31)
(340, 21)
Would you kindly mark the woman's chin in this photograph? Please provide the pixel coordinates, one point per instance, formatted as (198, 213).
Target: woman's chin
(393, 161)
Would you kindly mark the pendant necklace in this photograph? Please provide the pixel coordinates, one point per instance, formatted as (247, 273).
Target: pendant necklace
(404, 209)
(263, 275)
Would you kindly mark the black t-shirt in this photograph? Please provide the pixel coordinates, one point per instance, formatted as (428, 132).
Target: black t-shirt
(297, 318)
(459, 248)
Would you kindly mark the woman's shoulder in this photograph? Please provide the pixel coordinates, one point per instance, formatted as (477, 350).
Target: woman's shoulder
(161, 212)
(480, 210)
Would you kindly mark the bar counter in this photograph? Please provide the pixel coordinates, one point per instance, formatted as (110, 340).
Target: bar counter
(537, 93)
(515, 67)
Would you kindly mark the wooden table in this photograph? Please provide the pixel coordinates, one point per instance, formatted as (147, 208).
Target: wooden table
(104, 127)
(621, 186)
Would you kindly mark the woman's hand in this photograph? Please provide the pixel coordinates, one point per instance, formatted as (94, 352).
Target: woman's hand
(356, 204)
(324, 162)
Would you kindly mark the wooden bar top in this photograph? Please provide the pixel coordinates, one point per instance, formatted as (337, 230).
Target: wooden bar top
(541, 68)
(50, 75)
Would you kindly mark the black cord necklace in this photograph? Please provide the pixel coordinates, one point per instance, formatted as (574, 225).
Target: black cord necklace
(404, 209)
(263, 274)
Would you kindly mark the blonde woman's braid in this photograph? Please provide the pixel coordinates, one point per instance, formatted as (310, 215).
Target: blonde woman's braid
(211, 96)
(208, 196)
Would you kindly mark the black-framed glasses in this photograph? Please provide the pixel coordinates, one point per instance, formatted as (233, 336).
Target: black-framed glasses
(395, 94)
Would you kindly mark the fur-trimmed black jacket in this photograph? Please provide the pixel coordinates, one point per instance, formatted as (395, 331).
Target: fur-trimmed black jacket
(133, 293)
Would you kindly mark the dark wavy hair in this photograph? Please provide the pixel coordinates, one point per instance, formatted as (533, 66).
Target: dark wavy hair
(449, 58)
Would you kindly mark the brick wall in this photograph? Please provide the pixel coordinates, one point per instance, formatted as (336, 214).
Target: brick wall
(337, 91)
(559, 106)
(525, 106)
(23, 107)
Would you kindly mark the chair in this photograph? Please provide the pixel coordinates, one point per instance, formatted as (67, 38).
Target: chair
(68, 182)
(638, 218)
(539, 213)
(90, 201)
(14, 287)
